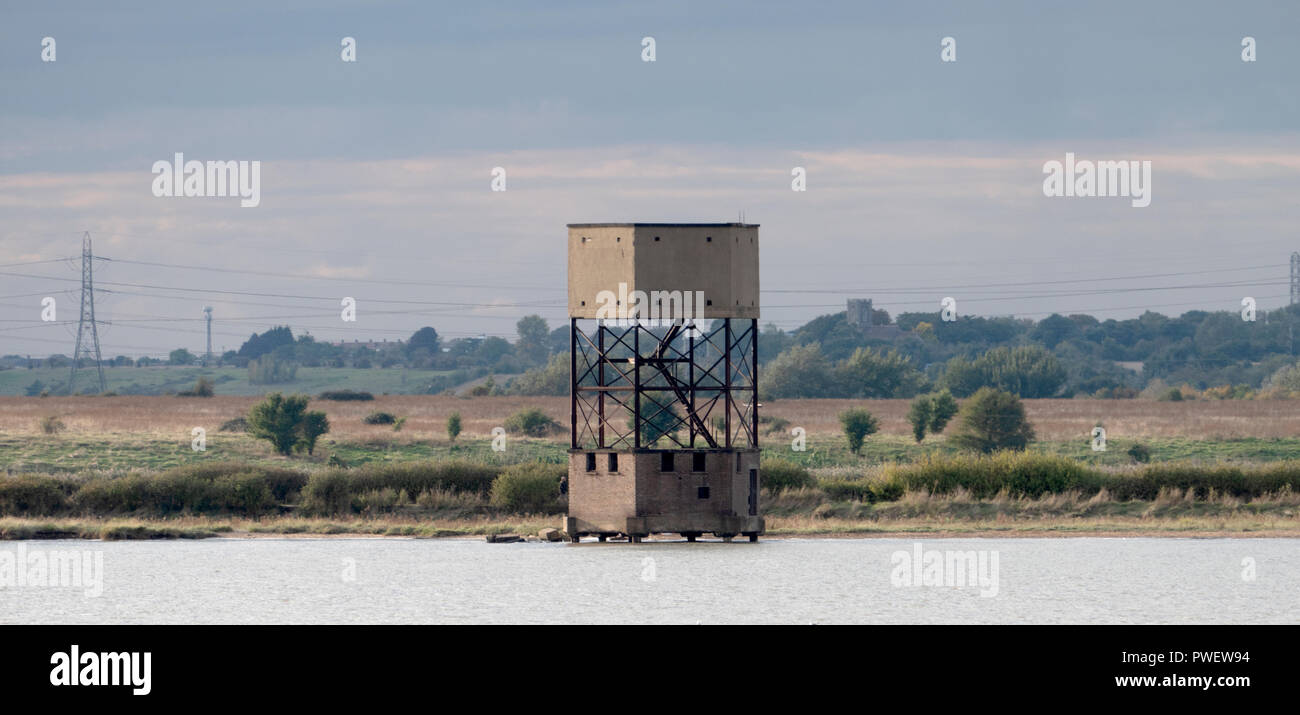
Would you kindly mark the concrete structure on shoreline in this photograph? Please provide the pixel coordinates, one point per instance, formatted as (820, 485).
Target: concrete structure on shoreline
(663, 380)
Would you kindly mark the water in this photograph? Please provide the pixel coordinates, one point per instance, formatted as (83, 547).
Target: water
(402, 581)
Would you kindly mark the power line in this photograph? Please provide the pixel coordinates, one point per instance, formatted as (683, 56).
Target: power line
(342, 279)
(914, 289)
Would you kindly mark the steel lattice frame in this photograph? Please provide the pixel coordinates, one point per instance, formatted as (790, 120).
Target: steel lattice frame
(635, 386)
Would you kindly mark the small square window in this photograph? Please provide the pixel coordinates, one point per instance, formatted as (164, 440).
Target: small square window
(613, 462)
(656, 238)
(697, 462)
(591, 461)
(665, 461)
(708, 239)
(702, 492)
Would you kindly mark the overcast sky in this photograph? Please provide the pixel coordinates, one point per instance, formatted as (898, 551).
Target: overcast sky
(924, 178)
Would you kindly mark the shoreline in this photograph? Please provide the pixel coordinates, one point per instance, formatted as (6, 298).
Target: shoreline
(13, 529)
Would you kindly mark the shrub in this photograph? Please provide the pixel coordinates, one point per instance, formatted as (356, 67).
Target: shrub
(283, 482)
(212, 489)
(993, 420)
(847, 490)
(532, 422)
(858, 425)
(488, 387)
(532, 488)
(1139, 452)
(379, 418)
(204, 387)
(328, 493)
(335, 491)
(780, 474)
(1173, 394)
(1202, 480)
(453, 426)
(52, 425)
(862, 490)
(1021, 474)
(32, 495)
(346, 396)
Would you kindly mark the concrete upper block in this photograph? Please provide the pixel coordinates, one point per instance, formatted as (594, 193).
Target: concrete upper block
(720, 260)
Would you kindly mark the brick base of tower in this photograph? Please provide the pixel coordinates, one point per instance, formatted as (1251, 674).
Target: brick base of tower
(643, 492)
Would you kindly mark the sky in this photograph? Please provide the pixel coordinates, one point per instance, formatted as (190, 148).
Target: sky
(924, 178)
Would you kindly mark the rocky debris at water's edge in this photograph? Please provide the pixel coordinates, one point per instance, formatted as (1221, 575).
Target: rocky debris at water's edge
(548, 534)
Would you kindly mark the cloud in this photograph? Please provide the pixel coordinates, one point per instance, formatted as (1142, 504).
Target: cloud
(874, 217)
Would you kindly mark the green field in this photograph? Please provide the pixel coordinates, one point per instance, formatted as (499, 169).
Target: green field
(827, 451)
(160, 380)
(74, 452)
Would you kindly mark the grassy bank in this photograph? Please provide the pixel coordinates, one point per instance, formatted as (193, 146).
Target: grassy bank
(76, 453)
(1006, 492)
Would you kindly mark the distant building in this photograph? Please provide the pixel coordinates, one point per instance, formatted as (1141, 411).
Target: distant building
(860, 314)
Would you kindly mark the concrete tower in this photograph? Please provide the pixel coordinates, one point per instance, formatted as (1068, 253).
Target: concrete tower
(664, 380)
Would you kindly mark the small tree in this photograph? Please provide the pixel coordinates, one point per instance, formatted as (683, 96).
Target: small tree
(858, 425)
(453, 426)
(278, 419)
(992, 420)
(920, 414)
(943, 407)
(313, 425)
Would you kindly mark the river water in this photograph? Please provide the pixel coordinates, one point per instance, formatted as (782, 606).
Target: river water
(403, 581)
